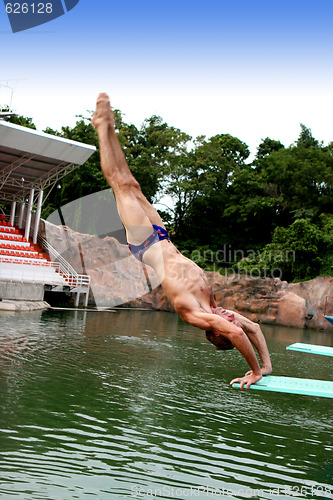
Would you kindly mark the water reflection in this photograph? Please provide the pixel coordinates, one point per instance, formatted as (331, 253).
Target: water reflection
(290, 335)
(115, 405)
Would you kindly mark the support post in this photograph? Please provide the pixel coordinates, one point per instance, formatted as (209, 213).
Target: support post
(28, 219)
(77, 298)
(37, 216)
(20, 221)
(12, 213)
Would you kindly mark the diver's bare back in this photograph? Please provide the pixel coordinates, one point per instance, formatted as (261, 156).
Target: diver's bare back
(184, 283)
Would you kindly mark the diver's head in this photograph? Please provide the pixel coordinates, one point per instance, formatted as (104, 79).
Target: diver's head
(221, 342)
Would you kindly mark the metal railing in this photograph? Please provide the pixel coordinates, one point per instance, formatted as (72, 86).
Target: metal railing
(67, 271)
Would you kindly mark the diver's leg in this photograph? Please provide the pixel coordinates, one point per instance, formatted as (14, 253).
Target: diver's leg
(103, 121)
(115, 169)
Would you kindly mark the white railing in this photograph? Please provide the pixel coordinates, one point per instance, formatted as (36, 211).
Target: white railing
(69, 273)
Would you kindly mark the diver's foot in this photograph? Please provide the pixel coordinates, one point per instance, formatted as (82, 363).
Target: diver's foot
(103, 115)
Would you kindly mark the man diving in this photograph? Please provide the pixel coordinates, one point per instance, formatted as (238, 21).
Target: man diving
(185, 284)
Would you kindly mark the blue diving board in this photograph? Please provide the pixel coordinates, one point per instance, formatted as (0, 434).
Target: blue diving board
(304, 386)
(329, 318)
(311, 348)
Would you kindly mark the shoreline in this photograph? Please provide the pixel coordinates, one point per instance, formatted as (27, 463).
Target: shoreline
(23, 305)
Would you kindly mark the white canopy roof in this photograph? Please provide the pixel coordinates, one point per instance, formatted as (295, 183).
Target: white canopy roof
(32, 159)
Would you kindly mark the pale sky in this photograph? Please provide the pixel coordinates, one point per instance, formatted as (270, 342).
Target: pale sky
(252, 69)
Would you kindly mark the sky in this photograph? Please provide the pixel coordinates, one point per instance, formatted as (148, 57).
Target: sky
(253, 69)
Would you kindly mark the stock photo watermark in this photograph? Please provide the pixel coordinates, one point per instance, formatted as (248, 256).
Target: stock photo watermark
(303, 491)
(227, 254)
(237, 262)
(25, 15)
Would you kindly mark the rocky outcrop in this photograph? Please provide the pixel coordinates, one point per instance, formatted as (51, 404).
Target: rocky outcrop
(274, 301)
(116, 276)
(119, 279)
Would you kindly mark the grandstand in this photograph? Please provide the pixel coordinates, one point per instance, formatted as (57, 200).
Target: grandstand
(30, 162)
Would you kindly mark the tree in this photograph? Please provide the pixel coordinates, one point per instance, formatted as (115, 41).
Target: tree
(151, 150)
(250, 214)
(280, 205)
(148, 151)
(299, 252)
(24, 121)
(84, 180)
(266, 147)
(306, 138)
(198, 182)
(303, 176)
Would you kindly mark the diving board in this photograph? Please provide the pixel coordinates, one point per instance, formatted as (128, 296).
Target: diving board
(291, 385)
(329, 318)
(311, 348)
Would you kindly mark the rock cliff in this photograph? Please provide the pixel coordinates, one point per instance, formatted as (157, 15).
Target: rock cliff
(117, 278)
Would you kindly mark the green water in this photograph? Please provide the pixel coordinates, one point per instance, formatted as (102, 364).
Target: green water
(136, 404)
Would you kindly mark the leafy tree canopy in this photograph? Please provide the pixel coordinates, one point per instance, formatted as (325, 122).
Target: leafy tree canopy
(23, 121)
(280, 204)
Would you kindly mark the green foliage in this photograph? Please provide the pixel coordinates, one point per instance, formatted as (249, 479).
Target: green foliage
(3, 208)
(198, 182)
(299, 252)
(272, 211)
(266, 148)
(23, 121)
(275, 211)
(326, 247)
(151, 152)
(84, 180)
(306, 138)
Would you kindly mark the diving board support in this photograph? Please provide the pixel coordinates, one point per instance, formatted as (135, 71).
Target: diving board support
(311, 348)
(291, 385)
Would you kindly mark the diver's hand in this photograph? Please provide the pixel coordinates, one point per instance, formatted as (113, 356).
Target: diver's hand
(264, 371)
(247, 380)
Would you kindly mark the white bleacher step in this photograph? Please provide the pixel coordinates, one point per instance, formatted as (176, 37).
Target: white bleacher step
(16, 272)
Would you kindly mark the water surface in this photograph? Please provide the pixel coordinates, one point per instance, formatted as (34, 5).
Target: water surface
(137, 404)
